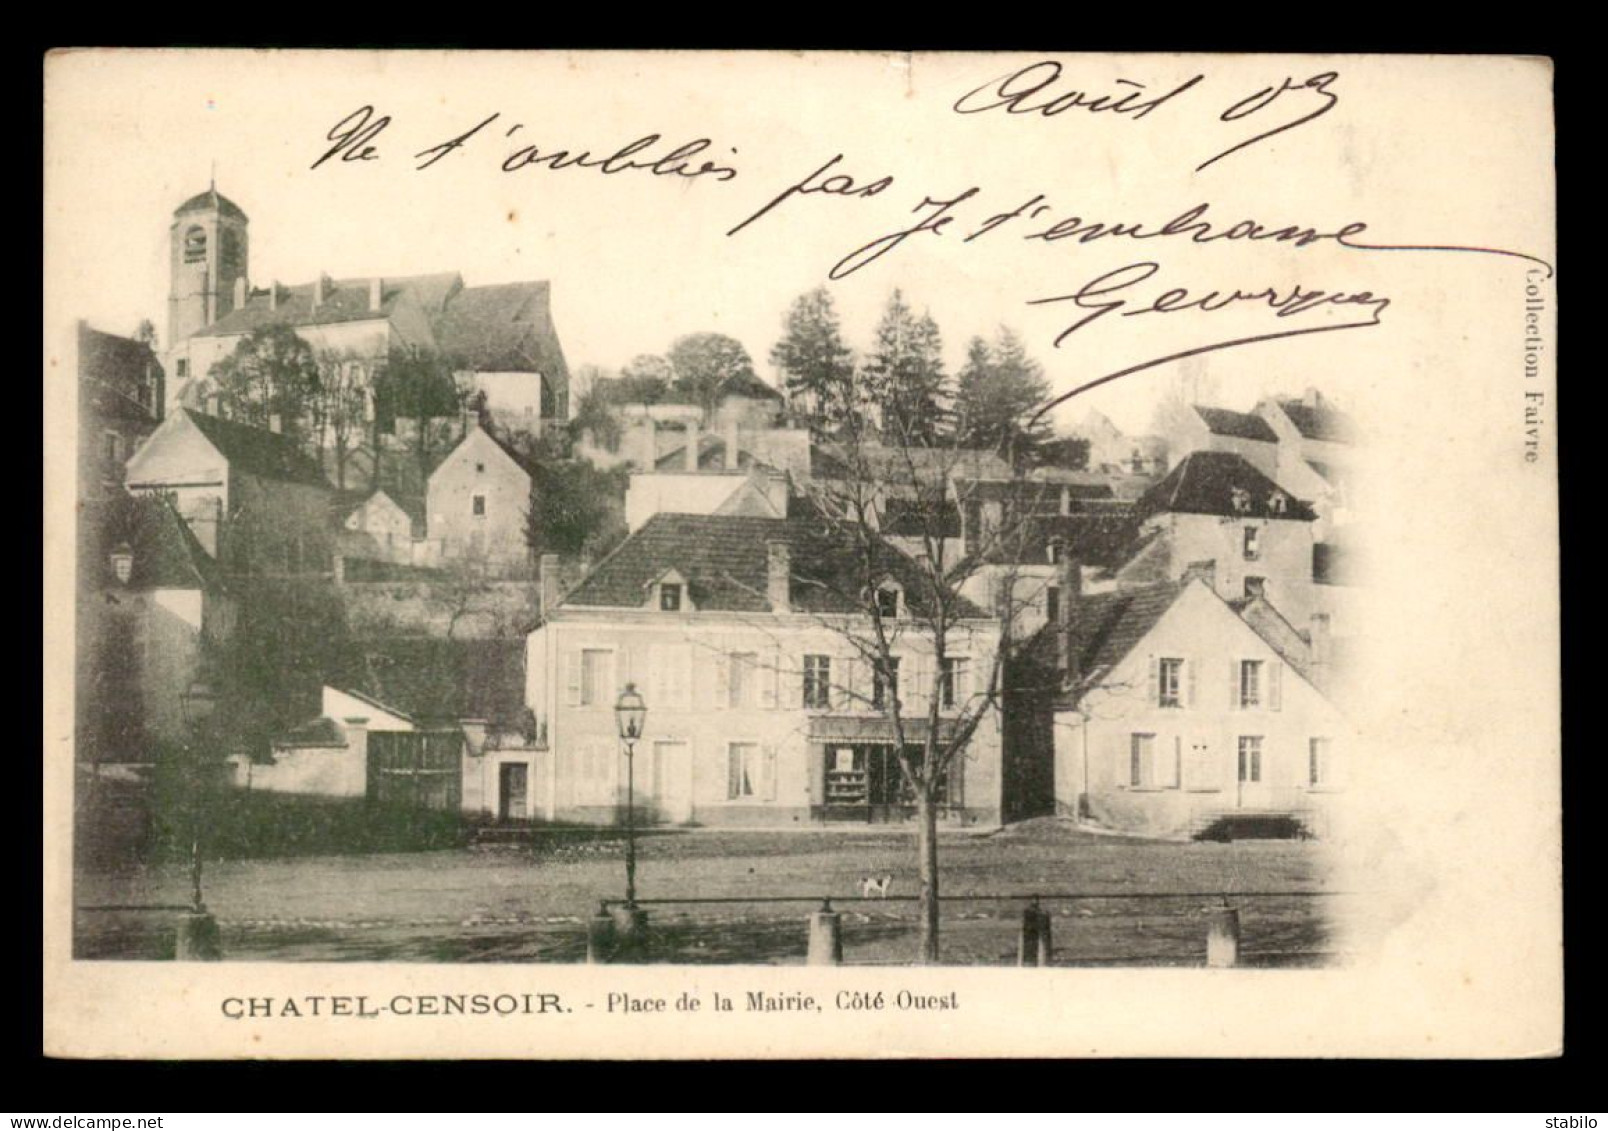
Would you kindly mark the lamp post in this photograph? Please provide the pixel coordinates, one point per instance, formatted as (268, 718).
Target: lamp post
(198, 930)
(632, 714)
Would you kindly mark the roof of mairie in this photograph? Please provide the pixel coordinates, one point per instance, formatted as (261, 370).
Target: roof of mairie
(1242, 425)
(1210, 482)
(1319, 421)
(257, 451)
(345, 300)
(725, 561)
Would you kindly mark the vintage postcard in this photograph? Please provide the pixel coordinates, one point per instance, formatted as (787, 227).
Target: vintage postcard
(700, 555)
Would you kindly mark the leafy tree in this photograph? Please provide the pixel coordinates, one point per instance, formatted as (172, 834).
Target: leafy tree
(271, 374)
(996, 397)
(705, 363)
(576, 509)
(416, 385)
(645, 379)
(819, 367)
(905, 378)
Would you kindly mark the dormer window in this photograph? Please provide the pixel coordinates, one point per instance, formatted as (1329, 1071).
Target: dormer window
(669, 593)
(1241, 500)
(888, 602)
(1276, 502)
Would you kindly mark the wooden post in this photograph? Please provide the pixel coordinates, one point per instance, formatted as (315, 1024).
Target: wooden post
(630, 933)
(1033, 947)
(826, 937)
(1222, 938)
(1046, 947)
(197, 939)
(600, 937)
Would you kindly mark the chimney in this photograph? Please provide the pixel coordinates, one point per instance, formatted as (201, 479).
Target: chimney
(1312, 398)
(320, 290)
(1206, 571)
(376, 294)
(694, 436)
(240, 292)
(550, 582)
(273, 295)
(1071, 584)
(731, 445)
(779, 575)
(647, 444)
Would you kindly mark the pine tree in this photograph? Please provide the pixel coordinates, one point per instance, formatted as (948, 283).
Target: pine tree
(905, 376)
(818, 366)
(999, 391)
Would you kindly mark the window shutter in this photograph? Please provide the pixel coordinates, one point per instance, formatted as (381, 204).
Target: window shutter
(848, 683)
(734, 772)
(767, 681)
(572, 677)
(722, 662)
(1275, 685)
(768, 773)
(792, 681)
(1189, 674)
(1233, 685)
(624, 671)
(962, 681)
(922, 683)
(1153, 696)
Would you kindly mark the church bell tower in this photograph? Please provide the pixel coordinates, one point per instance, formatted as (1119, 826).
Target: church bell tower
(208, 247)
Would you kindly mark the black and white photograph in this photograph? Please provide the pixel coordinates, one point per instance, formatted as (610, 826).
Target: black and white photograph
(701, 554)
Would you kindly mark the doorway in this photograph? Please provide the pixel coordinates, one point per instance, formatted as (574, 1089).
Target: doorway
(672, 782)
(513, 791)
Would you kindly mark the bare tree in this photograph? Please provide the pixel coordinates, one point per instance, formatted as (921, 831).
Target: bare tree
(342, 406)
(918, 520)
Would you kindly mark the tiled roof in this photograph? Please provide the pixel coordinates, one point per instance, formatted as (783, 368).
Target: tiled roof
(1107, 626)
(1320, 421)
(345, 300)
(437, 680)
(507, 328)
(166, 553)
(725, 561)
(206, 201)
(898, 465)
(1219, 483)
(257, 451)
(1244, 425)
(317, 734)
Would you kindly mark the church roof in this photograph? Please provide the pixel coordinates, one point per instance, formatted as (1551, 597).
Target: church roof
(506, 328)
(208, 201)
(345, 300)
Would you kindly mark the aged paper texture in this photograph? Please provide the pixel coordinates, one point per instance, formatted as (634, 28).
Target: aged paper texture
(1287, 779)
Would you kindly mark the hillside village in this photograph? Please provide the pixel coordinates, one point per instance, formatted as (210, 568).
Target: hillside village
(416, 558)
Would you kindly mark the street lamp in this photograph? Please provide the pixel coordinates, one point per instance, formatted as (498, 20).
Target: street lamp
(198, 704)
(632, 714)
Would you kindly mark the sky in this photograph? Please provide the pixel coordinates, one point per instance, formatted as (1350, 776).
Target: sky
(636, 259)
